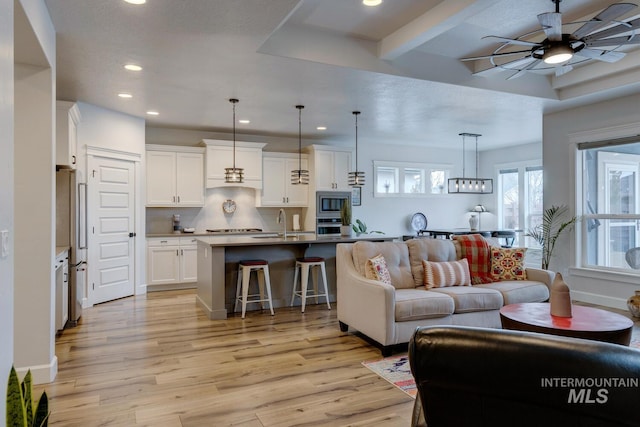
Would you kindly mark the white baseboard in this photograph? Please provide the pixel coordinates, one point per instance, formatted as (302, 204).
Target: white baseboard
(41, 374)
(599, 299)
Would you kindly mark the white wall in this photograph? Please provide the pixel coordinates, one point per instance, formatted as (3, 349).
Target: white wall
(114, 132)
(34, 220)
(559, 188)
(6, 190)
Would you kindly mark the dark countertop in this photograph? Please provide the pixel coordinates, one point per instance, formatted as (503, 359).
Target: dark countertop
(229, 234)
(292, 239)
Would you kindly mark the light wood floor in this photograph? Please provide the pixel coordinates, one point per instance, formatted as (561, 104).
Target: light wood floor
(156, 360)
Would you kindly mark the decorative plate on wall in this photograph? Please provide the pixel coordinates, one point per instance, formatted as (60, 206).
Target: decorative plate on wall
(419, 222)
(229, 206)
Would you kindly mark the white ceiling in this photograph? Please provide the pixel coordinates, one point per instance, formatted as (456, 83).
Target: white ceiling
(397, 63)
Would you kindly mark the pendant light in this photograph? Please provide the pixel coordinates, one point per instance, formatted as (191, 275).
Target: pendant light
(466, 185)
(356, 178)
(234, 175)
(300, 176)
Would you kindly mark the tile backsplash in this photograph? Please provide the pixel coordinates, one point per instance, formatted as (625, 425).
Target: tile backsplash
(160, 220)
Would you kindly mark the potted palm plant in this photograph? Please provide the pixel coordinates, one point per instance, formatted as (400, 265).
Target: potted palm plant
(547, 233)
(345, 219)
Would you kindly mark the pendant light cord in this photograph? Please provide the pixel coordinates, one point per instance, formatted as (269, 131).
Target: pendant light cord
(299, 107)
(234, 102)
(356, 113)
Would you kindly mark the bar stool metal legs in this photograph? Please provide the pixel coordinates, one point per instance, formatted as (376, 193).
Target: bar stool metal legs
(304, 266)
(245, 267)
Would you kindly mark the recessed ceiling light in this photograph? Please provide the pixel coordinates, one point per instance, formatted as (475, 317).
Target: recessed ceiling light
(133, 67)
(371, 2)
(136, 1)
(125, 95)
(321, 128)
(152, 113)
(244, 121)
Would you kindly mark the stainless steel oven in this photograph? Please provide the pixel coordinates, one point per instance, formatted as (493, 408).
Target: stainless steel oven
(328, 226)
(329, 203)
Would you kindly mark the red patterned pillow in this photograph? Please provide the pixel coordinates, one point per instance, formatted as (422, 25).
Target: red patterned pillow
(448, 273)
(376, 269)
(508, 263)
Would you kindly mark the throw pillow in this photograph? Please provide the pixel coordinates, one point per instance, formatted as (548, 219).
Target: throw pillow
(508, 263)
(448, 273)
(376, 269)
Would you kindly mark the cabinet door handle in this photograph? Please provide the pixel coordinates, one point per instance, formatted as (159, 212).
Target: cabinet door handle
(178, 199)
(73, 160)
(181, 251)
(164, 241)
(174, 199)
(65, 280)
(177, 253)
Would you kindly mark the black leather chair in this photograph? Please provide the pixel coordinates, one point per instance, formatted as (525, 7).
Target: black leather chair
(492, 377)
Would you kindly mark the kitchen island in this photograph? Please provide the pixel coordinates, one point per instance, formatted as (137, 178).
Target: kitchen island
(218, 263)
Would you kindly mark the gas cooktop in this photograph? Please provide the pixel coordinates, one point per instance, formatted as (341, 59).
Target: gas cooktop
(235, 230)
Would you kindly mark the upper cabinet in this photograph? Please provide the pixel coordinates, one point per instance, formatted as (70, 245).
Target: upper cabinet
(277, 189)
(331, 168)
(219, 155)
(67, 119)
(175, 176)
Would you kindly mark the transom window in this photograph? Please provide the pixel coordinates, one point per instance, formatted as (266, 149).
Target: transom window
(399, 179)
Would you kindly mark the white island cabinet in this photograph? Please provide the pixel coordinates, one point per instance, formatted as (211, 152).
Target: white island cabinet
(175, 176)
(277, 188)
(331, 168)
(219, 155)
(171, 263)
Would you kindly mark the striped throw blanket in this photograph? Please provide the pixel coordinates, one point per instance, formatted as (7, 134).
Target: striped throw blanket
(478, 253)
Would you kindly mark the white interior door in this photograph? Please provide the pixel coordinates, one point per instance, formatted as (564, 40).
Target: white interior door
(112, 190)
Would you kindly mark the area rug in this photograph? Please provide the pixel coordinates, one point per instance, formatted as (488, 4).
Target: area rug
(396, 370)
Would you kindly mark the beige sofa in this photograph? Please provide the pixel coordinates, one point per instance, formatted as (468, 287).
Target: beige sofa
(390, 314)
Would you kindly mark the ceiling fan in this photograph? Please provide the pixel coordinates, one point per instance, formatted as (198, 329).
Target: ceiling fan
(561, 51)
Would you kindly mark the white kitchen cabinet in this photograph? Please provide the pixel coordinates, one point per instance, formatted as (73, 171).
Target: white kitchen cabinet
(62, 289)
(175, 178)
(67, 119)
(277, 189)
(219, 155)
(171, 261)
(331, 169)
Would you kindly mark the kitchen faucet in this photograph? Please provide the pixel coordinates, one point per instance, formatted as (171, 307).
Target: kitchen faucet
(282, 218)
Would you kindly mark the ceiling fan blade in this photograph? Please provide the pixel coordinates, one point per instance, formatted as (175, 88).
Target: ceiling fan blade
(552, 25)
(563, 69)
(487, 71)
(524, 70)
(613, 41)
(496, 55)
(634, 24)
(603, 18)
(518, 63)
(514, 41)
(601, 55)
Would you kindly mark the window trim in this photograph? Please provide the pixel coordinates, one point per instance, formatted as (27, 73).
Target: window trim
(522, 167)
(401, 166)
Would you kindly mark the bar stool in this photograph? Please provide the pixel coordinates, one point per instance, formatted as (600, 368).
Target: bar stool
(245, 267)
(304, 265)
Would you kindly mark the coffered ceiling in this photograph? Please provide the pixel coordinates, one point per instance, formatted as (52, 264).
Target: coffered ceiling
(398, 63)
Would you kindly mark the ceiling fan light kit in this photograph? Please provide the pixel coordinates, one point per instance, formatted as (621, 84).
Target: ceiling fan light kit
(560, 51)
(465, 185)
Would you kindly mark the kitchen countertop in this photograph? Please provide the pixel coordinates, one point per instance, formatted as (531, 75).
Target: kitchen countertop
(228, 234)
(292, 239)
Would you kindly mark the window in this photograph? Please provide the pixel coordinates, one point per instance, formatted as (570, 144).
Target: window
(520, 199)
(610, 223)
(396, 179)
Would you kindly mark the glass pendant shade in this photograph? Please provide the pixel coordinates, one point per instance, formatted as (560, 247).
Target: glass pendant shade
(465, 185)
(300, 176)
(234, 175)
(356, 178)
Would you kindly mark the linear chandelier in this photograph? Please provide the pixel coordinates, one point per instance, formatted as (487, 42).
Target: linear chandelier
(465, 185)
(300, 176)
(234, 175)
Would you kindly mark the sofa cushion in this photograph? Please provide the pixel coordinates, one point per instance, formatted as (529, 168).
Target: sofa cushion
(396, 256)
(376, 269)
(472, 298)
(508, 263)
(430, 250)
(477, 251)
(518, 291)
(448, 273)
(414, 304)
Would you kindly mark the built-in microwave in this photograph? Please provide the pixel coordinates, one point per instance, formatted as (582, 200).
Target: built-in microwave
(329, 203)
